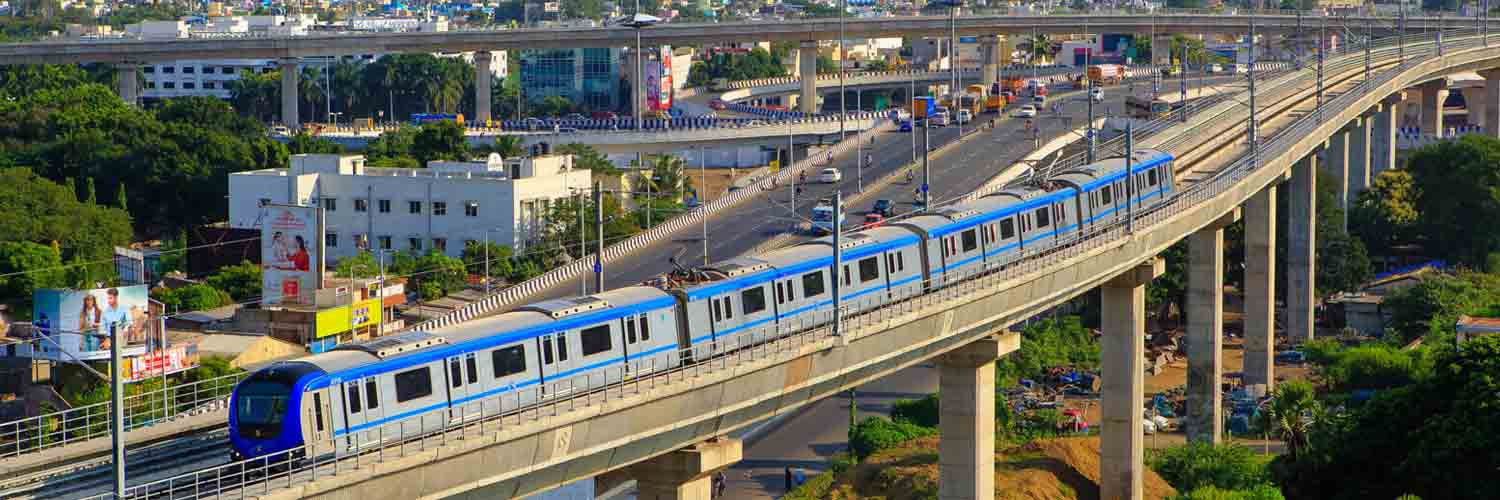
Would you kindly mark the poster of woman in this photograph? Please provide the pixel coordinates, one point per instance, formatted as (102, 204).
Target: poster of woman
(291, 259)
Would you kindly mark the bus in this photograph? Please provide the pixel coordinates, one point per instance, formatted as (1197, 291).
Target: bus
(1140, 107)
(420, 118)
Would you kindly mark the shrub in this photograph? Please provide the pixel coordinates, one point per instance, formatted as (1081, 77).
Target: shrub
(878, 433)
(1259, 492)
(923, 412)
(1196, 465)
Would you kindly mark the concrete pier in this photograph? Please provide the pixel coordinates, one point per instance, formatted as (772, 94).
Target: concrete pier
(1260, 288)
(1357, 178)
(129, 84)
(685, 474)
(1301, 247)
(1491, 102)
(807, 71)
(482, 81)
(1433, 95)
(290, 74)
(1122, 361)
(966, 400)
(1205, 315)
(1336, 162)
(1383, 136)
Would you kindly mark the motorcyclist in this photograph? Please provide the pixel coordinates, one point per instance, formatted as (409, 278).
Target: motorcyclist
(909, 175)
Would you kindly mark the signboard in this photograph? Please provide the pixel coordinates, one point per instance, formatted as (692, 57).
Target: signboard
(79, 322)
(551, 7)
(665, 82)
(291, 254)
(338, 320)
(173, 359)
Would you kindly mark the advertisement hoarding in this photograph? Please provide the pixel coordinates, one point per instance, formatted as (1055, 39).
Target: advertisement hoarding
(664, 84)
(337, 320)
(291, 254)
(79, 322)
(173, 359)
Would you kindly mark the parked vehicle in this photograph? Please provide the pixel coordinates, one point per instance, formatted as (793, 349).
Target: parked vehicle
(873, 220)
(964, 116)
(1106, 73)
(940, 120)
(1096, 94)
(1240, 69)
(830, 176)
(884, 208)
(1027, 111)
(905, 126)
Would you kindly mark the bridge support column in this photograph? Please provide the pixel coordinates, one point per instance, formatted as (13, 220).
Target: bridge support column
(289, 82)
(1301, 245)
(1161, 49)
(1359, 159)
(685, 474)
(129, 85)
(482, 81)
(808, 72)
(990, 54)
(1205, 315)
(1433, 95)
(1491, 103)
(1336, 162)
(1474, 103)
(966, 402)
(1260, 288)
(1387, 119)
(1122, 360)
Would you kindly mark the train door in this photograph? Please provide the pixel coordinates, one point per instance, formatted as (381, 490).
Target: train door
(722, 315)
(554, 363)
(463, 383)
(354, 414)
(373, 410)
(317, 419)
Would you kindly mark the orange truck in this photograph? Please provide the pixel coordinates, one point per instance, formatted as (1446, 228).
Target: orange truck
(1106, 73)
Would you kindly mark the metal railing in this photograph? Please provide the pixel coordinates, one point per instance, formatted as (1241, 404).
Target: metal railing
(62, 428)
(485, 417)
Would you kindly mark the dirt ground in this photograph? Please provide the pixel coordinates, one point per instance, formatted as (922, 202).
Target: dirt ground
(1042, 470)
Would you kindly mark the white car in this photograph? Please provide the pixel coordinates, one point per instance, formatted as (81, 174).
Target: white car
(1240, 69)
(1096, 94)
(941, 120)
(1027, 111)
(830, 176)
(965, 116)
(1214, 68)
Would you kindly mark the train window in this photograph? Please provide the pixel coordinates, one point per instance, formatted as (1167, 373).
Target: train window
(413, 384)
(970, 240)
(472, 365)
(372, 394)
(629, 331)
(900, 262)
(547, 350)
(645, 329)
(353, 392)
(869, 269)
(812, 284)
(508, 361)
(455, 373)
(847, 276)
(753, 300)
(717, 316)
(1007, 229)
(779, 299)
(318, 410)
(595, 340)
(562, 348)
(1104, 196)
(1042, 217)
(890, 263)
(728, 308)
(1151, 177)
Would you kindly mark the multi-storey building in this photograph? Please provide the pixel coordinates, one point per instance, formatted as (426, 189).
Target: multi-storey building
(589, 77)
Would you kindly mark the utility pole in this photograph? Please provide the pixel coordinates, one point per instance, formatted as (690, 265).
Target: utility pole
(926, 170)
(599, 244)
(838, 265)
(843, 56)
(1439, 35)
(703, 179)
(1088, 62)
(1299, 42)
(1250, 134)
(1401, 35)
(1367, 49)
(1182, 74)
(1130, 177)
(583, 244)
(1322, 47)
(117, 408)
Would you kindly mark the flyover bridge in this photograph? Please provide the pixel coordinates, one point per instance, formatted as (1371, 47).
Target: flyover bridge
(666, 428)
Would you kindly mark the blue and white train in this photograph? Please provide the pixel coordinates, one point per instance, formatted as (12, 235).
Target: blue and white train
(360, 393)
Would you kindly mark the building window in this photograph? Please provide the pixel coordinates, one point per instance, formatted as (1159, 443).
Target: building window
(415, 244)
(150, 84)
(440, 244)
(385, 206)
(209, 85)
(188, 70)
(471, 209)
(439, 208)
(189, 85)
(149, 69)
(331, 204)
(331, 239)
(362, 241)
(169, 85)
(414, 207)
(226, 70)
(385, 242)
(361, 205)
(169, 69)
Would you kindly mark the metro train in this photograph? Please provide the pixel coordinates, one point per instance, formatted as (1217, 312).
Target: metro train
(355, 394)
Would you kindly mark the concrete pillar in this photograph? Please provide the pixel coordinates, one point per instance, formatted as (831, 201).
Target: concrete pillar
(1122, 361)
(1358, 179)
(1161, 49)
(289, 76)
(130, 89)
(808, 60)
(1491, 103)
(1336, 162)
(1383, 138)
(1260, 288)
(966, 402)
(685, 474)
(990, 61)
(1433, 95)
(482, 80)
(1301, 246)
(1205, 330)
(1474, 104)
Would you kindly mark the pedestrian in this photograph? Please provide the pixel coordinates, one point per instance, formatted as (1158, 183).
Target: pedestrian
(719, 490)
(788, 471)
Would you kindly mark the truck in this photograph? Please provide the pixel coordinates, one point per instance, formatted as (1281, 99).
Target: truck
(923, 107)
(1106, 73)
(973, 99)
(1013, 84)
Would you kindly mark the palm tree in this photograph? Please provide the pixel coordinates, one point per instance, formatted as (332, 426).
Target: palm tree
(1291, 414)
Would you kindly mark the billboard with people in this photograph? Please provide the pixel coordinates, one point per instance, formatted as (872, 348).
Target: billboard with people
(659, 79)
(82, 325)
(291, 256)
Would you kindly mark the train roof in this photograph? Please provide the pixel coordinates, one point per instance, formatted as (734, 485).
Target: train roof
(998, 205)
(870, 241)
(1094, 174)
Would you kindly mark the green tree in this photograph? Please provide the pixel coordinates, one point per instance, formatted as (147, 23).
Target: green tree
(826, 65)
(1224, 466)
(554, 105)
(257, 95)
(26, 267)
(1292, 411)
(361, 265)
(304, 143)
(508, 146)
(195, 297)
(1432, 306)
(500, 258)
(440, 140)
(1457, 186)
(54, 217)
(586, 157)
(1343, 264)
(241, 281)
(393, 149)
(878, 433)
(1385, 214)
(1046, 344)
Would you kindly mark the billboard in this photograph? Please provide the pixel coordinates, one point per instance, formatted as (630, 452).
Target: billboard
(79, 322)
(291, 253)
(338, 320)
(177, 358)
(659, 79)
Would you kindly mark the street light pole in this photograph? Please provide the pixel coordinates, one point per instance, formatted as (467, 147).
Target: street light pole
(117, 408)
(703, 179)
(843, 56)
(599, 243)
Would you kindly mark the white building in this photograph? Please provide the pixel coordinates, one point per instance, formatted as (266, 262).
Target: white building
(441, 207)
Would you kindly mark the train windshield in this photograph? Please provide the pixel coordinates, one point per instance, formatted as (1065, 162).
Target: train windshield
(260, 408)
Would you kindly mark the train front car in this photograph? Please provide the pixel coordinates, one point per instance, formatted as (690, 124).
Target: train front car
(264, 416)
